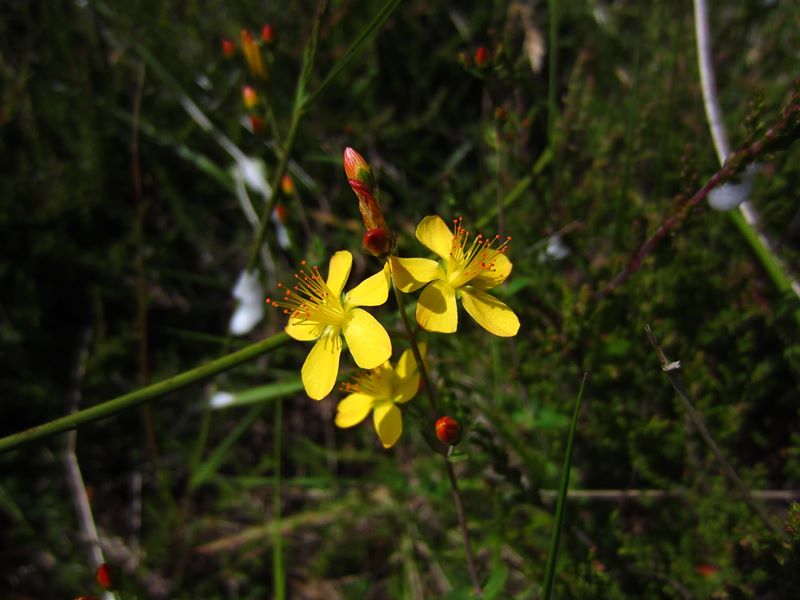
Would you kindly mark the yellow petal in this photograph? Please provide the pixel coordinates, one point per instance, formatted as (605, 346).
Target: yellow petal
(407, 375)
(436, 309)
(339, 271)
(406, 366)
(304, 330)
(367, 339)
(410, 274)
(373, 291)
(490, 313)
(498, 274)
(353, 409)
(407, 388)
(322, 366)
(435, 235)
(388, 423)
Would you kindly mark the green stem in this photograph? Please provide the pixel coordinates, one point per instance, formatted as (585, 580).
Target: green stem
(769, 261)
(377, 21)
(115, 405)
(298, 108)
(278, 576)
(451, 474)
(552, 554)
(412, 340)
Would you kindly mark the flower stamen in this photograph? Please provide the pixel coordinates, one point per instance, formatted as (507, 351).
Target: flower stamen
(310, 299)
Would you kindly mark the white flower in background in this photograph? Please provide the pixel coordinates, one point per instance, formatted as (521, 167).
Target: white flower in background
(556, 249)
(250, 308)
(221, 399)
(278, 218)
(730, 195)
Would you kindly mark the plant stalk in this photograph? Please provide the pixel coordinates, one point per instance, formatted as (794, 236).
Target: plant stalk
(111, 407)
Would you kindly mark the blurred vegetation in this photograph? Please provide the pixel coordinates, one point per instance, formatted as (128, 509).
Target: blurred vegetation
(89, 265)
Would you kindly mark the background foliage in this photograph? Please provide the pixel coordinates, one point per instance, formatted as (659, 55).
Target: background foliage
(443, 135)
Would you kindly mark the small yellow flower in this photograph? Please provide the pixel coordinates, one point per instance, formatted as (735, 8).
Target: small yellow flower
(380, 391)
(467, 270)
(319, 311)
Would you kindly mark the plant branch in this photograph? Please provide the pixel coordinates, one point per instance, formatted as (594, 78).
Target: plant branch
(671, 369)
(785, 131)
(111, 407)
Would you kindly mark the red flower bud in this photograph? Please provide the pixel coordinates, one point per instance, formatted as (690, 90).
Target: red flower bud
(358, 171)
(106, 576)
(249, 97)
(267, 34)
(378, 242)
(448, 431)
(481, 56)
(228, 48)
(256, 123)
(359, 176)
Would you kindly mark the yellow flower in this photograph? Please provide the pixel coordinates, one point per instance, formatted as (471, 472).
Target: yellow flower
(319, 311)
(467, 270)
(380, 391)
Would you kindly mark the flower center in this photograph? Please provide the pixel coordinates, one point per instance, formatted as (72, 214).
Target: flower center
(467, 259)
(310, 299)
(376, 383)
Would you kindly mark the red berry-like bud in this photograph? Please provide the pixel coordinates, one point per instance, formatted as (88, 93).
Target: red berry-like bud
(378, 242)
(228, 48)
(106, 576)
(256, 123)
(481, 56)
(266, 34)
(249, 97)
(448, 431)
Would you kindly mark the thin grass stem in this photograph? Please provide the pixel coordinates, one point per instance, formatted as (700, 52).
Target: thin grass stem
(552, 553)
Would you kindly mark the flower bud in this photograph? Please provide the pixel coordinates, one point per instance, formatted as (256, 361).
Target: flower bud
(358, 171)
(481, 56)
(249, 97)
(359, 176)
(252, 54)
(256, 123)
(267, 34)
(228, 48)
(287, 185)
(448, 431)
(106, 576)
(378, 242)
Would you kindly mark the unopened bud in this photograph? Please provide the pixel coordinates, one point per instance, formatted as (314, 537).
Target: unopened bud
(228, 48)
(252, 54)
(267, 34)
(358, 171)
(256, 123)
(378, 242)
(287, 185)
(359, 176)
(249, 97)
(448, 431)
(481, 56)
(106, 576)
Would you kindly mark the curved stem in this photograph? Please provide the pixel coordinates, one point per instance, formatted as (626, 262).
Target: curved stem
(115, 405)
(451, 474)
